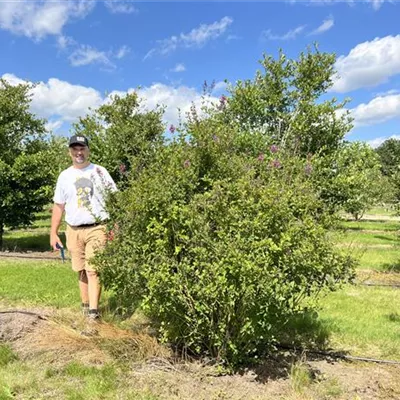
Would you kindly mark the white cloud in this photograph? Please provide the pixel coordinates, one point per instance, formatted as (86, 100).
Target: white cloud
(324, 27)
(85, 55)
(122, 52)
(197, 37)
(12, 79)
(291, 34)
(374, 143)
(220, 86)
(179, 68)
(60, 101)
(376, 4)
(120, 6)
(232, 37)
(174, 98)
(368, 64)
(380, 109)
(391, 91)
(37, 18)
(63, 42)
(54, 125)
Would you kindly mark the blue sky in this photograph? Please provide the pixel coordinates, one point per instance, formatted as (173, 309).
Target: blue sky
(80, 52)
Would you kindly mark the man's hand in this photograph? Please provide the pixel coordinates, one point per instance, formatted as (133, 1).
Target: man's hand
(54, 241)
(58, 210)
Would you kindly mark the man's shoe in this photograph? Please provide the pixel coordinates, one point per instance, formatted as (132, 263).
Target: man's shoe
(85, 309)
(93, 315)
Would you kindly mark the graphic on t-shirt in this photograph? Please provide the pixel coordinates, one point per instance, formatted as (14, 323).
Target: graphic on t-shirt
(84, 191)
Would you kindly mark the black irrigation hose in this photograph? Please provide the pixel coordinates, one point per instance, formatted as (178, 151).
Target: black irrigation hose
(338, 355)
(24, 312)
(281, 346)
(29, 257)
(380, 284)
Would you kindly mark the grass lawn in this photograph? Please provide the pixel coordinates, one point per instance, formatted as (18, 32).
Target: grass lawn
(359, 320)
(34, 238)
(385, 211)
(72, 381)
(362, 238)
(385, 259)
(43, 283)
(364, 321)
(379, 225)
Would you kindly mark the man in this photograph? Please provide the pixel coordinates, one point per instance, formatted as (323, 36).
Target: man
(80, 192)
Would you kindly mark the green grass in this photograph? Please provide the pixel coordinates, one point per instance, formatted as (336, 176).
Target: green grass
(361, 320)
(364, 321)
(29, 380)
(378, 225)
(380, 259)
(6, 355)
(38, 282)
(387, 211)
(34, 238)
(367, 238)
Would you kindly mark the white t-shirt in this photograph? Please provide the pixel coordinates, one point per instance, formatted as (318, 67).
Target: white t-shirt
(83, 192)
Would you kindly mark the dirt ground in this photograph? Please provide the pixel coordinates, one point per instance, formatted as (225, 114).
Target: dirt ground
(37, 255)
(58, 337)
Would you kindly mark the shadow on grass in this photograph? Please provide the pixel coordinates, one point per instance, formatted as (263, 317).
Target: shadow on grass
(389, 239)
(391, 267)
(304, 336)
(119, 308)
(393, 317)
(305, 330)
(27, 241)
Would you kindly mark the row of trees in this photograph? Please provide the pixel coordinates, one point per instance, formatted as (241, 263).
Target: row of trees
(222, 227)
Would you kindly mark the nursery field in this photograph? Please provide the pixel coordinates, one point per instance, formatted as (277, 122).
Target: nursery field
(350, 349)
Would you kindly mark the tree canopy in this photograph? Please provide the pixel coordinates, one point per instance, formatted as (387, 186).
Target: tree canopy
(28, 159)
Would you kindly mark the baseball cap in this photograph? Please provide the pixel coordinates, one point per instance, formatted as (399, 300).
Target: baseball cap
(78, 139)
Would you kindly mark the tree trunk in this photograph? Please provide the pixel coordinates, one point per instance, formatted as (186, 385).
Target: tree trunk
(1, 235)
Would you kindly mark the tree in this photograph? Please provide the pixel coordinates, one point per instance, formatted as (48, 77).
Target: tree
(349, 179)
(27, 170)
(389, 154)
(123, 136)
(285, 102)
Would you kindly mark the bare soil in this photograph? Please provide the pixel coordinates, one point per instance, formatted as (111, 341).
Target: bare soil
(58, 337)
(33, 255)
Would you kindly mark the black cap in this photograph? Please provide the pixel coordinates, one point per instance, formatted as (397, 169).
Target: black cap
(78, 139)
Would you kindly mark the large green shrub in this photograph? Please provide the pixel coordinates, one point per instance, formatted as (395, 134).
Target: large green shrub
(221, 243)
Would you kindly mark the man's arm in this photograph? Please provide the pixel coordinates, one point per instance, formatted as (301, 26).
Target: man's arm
(56, 216)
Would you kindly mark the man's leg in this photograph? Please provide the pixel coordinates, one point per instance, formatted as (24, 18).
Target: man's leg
(84, 291)
(95, 240)
(94, 289)
(76, 248)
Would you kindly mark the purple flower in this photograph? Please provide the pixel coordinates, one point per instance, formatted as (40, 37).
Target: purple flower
(261, 157)
(276, 163)
(122, 169)
(222, 102)
(274, 149)
(215, 138)
(186, 164)
(308, 169)
(172, 128)
(99, 171)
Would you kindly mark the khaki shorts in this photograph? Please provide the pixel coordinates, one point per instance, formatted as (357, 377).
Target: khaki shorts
(82, 244)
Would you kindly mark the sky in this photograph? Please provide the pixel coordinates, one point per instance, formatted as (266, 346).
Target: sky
(78, 53)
